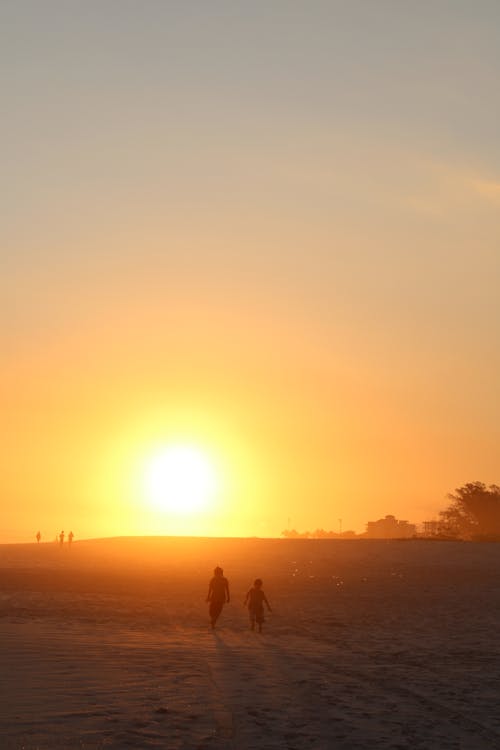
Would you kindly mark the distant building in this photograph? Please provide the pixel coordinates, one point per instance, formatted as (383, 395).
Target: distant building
(433, 529)
(390, 528)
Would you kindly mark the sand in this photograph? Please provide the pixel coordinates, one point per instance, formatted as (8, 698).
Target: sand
(371, 644)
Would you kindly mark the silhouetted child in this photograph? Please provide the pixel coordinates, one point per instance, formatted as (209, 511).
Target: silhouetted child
(38, 537)
(218, 593)
(61, 538)
(70, 537)
(256, 599)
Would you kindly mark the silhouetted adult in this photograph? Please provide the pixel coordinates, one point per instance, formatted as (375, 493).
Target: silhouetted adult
(61, 538)
(218, 594)
(70, 537)
(38, 537)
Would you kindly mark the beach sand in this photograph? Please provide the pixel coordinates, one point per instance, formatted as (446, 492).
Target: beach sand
(371, 644)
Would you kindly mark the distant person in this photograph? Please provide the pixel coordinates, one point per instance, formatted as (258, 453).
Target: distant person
(61, 538)
(38, 537)
(70, 537)
(218, 594)
(256, 599)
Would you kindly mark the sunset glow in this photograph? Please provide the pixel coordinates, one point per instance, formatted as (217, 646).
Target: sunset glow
(267, 235)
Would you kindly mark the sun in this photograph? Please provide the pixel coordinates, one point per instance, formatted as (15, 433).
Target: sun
(180, 479)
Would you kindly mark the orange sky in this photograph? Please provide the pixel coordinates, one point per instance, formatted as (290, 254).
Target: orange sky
(272, 235)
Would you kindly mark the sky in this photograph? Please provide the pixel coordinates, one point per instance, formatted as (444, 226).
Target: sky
(268, 231)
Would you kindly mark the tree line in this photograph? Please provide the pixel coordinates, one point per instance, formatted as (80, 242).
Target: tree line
(473, 513)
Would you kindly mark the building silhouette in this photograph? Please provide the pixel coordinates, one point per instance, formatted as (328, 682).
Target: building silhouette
(390, 528)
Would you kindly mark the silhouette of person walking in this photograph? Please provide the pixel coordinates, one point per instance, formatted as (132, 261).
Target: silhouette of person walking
(61, 538)
(38, 537)
(70, 537)
(218, 594)
(256, 599)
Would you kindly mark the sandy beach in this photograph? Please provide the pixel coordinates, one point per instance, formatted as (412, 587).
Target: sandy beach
(371, 644)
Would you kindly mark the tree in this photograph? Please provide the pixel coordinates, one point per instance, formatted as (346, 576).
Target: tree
(474, 512)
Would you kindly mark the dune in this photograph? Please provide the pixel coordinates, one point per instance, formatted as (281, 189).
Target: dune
(371, 644)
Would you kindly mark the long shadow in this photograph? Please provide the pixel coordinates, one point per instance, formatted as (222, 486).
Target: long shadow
(222, 649)
(223, 713)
